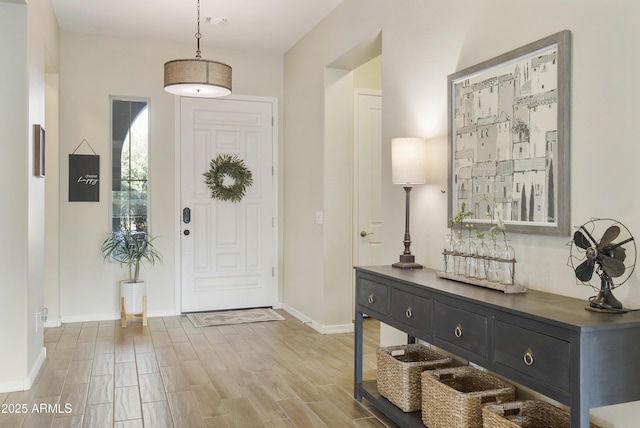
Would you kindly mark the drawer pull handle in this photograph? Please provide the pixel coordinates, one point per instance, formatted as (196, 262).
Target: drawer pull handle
(409, 312)
(371, 298)
(528, 357)
(458, 331)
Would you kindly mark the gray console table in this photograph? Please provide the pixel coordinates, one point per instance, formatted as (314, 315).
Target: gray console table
(544, 341)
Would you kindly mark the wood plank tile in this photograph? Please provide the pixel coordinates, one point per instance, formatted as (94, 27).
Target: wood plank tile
(226, 385)
(88, 334)
(185, 351)
(279, 423)
(156, 324)
(106, 329)
(50, 383)
(39, 414)
(126, 404)
(200, 343)
(177, 334)
(185, 409)
(104, 345)
(84, 351)
(280, 374)
(166, 356)
(101, 389)
(151, 388)
(212, 362)
(344, 401)
(300, 414)
(369, 423)
(124, 350)
(98, 415)
(242, 412)
(11, 420)
(195, 372)
(157, 415)
(171, 322)
(67, 421)
(174, 379)
(135, 423)
(264, 402)
(161, 339)
(143, 344)
(67, 341)
(126, 374)
(103, 364)
(146, 363)
(330, 414)
(73, 398)
(79, 372)
(208, 400)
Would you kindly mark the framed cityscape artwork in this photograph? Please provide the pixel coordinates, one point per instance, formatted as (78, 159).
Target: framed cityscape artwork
(509, 136)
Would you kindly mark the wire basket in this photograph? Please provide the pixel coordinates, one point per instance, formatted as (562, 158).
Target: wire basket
(454, 397)
(525, 414)
(399, 369)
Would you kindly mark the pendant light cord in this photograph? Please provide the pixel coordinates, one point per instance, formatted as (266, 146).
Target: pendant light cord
(198, 35)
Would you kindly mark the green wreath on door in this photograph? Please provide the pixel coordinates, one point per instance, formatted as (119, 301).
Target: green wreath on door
(226, 168)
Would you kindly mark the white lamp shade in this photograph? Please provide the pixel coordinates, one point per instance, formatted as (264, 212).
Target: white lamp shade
(409, 160)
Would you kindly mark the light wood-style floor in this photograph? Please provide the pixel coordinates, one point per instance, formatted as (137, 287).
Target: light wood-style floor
(170, 374)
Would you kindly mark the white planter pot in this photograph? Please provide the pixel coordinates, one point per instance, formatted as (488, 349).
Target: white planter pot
(133, 292)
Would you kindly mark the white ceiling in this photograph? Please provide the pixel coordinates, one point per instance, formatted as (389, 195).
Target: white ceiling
(268, 26)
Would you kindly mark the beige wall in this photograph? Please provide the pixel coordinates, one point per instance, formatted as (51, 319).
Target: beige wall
(422, 43)
(29, 39)
(93, 68)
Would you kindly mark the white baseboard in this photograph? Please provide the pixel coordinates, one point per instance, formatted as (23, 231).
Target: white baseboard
(323, 329)
(26, 383)
(57, 322)
(111, 317)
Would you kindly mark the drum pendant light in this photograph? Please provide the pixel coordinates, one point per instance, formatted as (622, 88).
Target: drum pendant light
(197, 77)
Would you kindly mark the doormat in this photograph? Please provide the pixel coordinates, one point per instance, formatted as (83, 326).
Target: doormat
(206, 319)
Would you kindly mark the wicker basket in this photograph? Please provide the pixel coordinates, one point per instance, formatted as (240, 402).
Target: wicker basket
(399, 369)
(525, 414)
(454, 397)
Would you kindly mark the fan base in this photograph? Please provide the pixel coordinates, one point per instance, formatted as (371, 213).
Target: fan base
(606, 311)
(605, 301)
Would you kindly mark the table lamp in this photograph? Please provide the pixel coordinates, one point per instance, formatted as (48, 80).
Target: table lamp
(408, 167)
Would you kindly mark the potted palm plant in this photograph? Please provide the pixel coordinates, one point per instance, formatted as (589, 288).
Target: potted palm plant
(131, 248)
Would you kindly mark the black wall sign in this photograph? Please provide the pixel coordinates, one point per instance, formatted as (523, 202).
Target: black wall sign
(84, 178)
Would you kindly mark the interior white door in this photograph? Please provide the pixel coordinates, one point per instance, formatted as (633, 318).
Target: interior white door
(227, 256)
(368, 178)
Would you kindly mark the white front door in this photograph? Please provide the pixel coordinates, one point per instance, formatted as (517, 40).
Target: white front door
(227, 248)
(368, 178)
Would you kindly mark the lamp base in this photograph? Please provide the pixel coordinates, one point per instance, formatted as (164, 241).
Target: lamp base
(407, 261)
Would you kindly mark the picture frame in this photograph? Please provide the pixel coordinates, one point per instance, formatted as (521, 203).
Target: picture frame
(509, 137)
(38, 151)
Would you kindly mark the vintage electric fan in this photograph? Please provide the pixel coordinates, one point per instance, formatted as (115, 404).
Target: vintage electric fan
(603, 247)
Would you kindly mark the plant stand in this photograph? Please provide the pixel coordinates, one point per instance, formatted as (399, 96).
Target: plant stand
(124, 317)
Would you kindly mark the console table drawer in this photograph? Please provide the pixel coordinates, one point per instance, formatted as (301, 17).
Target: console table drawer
(461, 328)
(411, 310)
(535, 354)
(372, 295)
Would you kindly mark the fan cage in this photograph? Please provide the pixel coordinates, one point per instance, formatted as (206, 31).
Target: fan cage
(578, 255)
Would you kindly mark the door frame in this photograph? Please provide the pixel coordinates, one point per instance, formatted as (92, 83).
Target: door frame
(355, 241)
(275, 177)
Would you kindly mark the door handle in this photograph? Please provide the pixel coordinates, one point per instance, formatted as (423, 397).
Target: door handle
(186, 215)
(364, 233)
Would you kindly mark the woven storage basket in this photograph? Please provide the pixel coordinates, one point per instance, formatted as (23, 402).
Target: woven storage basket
(454, 397)
(399, 369)
(525, 414)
